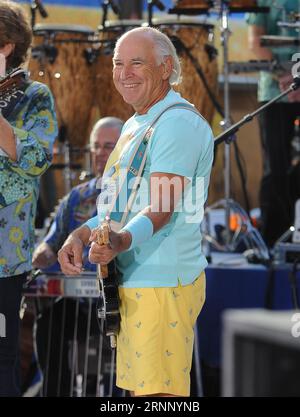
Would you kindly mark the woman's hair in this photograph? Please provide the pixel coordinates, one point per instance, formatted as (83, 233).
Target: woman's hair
(163, 48)
(15, 29)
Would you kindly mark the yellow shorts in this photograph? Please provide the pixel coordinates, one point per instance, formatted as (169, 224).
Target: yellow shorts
(155, 342)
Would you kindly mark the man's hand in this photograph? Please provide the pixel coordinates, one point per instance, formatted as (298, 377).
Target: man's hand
(70, 256)
(43, 256)
(103, 254)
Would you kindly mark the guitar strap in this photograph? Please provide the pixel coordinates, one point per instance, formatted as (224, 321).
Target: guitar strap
(135, 171)
(9, 98)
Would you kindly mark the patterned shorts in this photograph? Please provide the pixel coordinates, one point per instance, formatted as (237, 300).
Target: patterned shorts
(155, 343)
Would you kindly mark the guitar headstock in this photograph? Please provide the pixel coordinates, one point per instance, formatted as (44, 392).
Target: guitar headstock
(12, 81)
(102, 235)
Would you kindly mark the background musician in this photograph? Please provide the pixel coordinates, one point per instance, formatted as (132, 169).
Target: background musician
(277, 189)
(27, 132)
(80, 204)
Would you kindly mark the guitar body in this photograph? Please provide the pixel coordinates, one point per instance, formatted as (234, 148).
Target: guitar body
(109, 302)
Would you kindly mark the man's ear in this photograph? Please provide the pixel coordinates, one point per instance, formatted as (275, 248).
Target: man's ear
(167, 67)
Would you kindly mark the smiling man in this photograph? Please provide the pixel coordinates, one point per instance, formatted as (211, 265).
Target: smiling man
(158, 249)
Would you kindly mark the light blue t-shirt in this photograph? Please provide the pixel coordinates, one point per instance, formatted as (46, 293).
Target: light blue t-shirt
(182, 144)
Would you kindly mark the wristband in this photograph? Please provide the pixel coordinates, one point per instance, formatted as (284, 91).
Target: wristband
(140, 228)
(91, 223)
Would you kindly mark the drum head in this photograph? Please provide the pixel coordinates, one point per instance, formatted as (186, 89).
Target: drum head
(120, 25)
(39, 29)
(184, 23)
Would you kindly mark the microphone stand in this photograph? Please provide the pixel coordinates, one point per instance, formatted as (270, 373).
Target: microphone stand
(246, 232)
(229, 134)
(225, 33)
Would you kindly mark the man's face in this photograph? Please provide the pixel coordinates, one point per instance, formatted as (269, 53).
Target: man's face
(102, 146)
(136, 74)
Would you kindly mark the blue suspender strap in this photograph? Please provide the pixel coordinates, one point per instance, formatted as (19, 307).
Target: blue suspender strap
(135, 169)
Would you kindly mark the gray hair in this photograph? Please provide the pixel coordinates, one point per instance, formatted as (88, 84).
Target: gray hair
(163, 48)
(108, 122)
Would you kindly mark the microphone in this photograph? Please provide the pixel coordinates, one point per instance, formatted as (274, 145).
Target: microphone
(158, 4)
(296, 82)
(41, 8)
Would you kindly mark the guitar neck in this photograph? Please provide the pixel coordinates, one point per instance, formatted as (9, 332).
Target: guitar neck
(102, 271)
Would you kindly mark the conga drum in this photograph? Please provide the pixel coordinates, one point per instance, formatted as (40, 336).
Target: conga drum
(197, 38)
(60, 60)
(108, 100)
(193, 4)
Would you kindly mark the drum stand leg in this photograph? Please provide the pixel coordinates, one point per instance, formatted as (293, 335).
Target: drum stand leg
(67, 170)
(225, 33)
(227, 203)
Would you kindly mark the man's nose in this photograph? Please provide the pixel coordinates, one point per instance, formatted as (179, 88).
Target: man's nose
(126, 71)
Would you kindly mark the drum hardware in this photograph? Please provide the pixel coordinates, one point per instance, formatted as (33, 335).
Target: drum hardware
(197, 7)
(37, 5)
(63, 66)
(150, 5)
(50, 52)
(108, 47)
(105, 5)
(191, 8)
(43, 52)
(259, 65)
(211, 51)
(277, 41)
(91, 55)
(291, 25)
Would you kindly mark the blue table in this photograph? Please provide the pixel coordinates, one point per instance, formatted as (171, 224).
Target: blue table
(234, 283)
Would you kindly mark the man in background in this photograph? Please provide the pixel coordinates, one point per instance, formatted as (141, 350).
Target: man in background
(57, 318)
(80, 204)
(278, 189)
